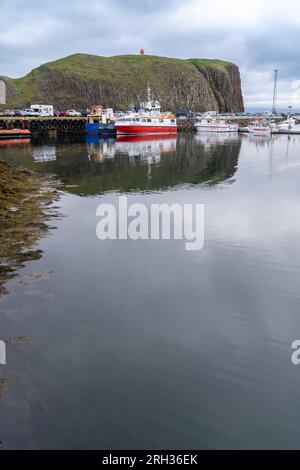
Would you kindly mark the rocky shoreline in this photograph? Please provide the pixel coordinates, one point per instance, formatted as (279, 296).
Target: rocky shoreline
(25, 211)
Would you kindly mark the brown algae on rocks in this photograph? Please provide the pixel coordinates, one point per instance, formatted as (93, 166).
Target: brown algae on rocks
(25, 210)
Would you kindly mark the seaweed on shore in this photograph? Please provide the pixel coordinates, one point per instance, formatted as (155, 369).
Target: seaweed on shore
(25, 210)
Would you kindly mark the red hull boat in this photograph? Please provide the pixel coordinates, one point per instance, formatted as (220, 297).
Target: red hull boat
(147, 120)
(14, 134)
(140, 130)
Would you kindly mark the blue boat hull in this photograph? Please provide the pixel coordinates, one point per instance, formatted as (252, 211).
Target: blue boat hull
(101, 129)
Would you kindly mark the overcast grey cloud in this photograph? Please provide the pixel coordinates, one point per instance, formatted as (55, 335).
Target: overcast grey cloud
(258, 36)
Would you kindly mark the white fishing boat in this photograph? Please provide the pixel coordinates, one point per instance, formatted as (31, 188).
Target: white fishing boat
(215, 124)
(260, 128)
(289, 126)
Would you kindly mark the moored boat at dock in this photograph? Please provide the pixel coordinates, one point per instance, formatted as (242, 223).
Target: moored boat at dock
(101, 122)
(260, 128)
(289, 126)
(147, 120)
(215, 124)
(14, 134)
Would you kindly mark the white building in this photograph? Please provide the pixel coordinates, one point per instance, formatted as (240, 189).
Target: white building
(2, 92)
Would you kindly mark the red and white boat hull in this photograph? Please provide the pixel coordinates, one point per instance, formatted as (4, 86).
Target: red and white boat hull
(260, 131)
(142, 130)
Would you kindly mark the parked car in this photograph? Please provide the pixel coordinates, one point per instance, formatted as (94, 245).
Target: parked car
(184, 113)
(84, 112)
(29, 112)
(10, 113)
(73, 113)
(70, 113)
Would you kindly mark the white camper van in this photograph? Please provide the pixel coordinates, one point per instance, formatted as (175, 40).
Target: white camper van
(42, 110)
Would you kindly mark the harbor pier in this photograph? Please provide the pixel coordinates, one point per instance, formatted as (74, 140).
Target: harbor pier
(45, 124)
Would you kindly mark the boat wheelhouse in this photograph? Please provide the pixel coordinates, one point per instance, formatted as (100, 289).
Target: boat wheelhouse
(101, 122)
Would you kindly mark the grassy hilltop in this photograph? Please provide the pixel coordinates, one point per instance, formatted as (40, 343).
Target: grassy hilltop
(82, 80)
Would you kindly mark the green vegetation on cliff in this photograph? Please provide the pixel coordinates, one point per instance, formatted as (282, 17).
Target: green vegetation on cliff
(82, 80)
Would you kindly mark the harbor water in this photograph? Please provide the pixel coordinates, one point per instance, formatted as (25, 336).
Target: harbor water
(142, 344)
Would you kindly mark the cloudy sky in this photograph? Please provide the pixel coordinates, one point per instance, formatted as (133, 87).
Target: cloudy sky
(259, 36)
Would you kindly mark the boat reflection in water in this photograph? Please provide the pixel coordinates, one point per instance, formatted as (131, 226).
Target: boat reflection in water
(100, 148)
(146, 146)
(208, 138)
(44, 154)
(261, 140)
(14, 142)
(143, 147)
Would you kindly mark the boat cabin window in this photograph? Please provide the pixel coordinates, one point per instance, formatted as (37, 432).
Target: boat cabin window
(148, 120)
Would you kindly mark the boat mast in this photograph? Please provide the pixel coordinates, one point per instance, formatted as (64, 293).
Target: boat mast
(149, 93)
(275, 92)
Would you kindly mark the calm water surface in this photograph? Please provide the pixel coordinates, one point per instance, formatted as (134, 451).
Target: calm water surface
(142, 344)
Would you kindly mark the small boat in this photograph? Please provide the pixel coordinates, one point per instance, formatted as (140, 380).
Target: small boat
(101, 122)
(215, 124)
(14, 134)
(288, 127)
(260, 128)
(147, 120)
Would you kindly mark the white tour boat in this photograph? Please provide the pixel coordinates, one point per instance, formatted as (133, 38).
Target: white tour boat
(215, 124)
(260, 128)
(288, 127)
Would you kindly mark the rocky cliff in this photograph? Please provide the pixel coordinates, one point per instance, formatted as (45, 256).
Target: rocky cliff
(81, 80)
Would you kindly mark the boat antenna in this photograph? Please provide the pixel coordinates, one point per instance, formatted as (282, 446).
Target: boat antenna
(275, 92)
(149, 93)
